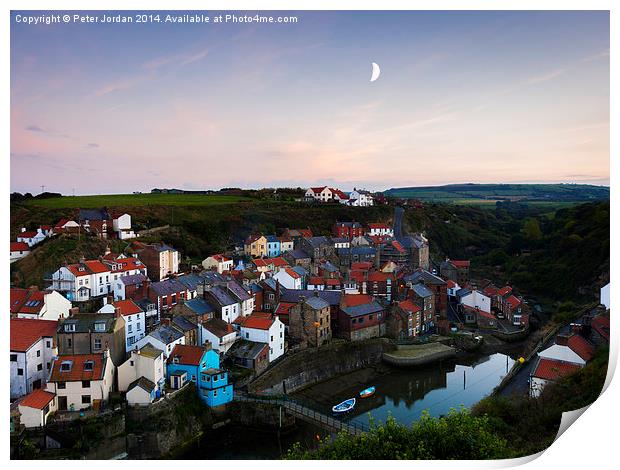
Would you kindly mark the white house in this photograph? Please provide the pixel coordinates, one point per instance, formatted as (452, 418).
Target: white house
(164, 338)
(135, 320)
(123, 284)
(605, 296)
(229, 307)
(141, 392)
(477, 300)
(322, 194)
(548, 371)
(19, 250)
(81, 380)
(32, 352)
(35, 408)
(288, 278)
(573, 349)
(38, 305)
(219, 262)
(452, 287)
(261, 328)
(380, 230)
(121, 224)
(360, 198)
(83, 281)
(32, 237)
(147, 362)
(220, 334)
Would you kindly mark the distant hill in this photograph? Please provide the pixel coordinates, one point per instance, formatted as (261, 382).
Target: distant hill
(491, 193)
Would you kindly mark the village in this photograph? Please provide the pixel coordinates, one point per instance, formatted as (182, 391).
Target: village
(134, 326)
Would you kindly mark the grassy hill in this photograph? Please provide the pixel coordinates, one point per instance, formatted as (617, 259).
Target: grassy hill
(486, 194)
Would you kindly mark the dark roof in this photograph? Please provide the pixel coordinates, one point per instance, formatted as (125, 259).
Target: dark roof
(246, 349)
(300, 270)
(199, 306)
(168, 287)
(218, 327)
(356, 250)
(316, 242)
(166, 334)
(423, 276)
(272, 239)
(462, 292)
(298, 254)
(143, 383)
(212, 277)
(93, 214)
(183, 323)
(191, 281)
(237, 291)
(133, 279)
(221, 296)
(292, 295)
(316, 302)
(254, 287)
(363, 309)
(421, 290)
(85, 322)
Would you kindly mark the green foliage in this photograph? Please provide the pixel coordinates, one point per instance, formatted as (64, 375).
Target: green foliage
(531, 229)
(459, 435)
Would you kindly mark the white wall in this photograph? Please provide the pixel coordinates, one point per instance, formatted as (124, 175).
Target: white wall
(140, 366)
(274, 337)
(138, 396)
(478, 300)
(562, 353)
(605, 294)
(33, 417)
(29, 362)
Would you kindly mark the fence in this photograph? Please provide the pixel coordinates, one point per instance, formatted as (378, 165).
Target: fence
(307, 414)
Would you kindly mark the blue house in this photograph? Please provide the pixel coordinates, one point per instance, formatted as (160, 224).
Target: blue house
(273, 246)
(201, 366)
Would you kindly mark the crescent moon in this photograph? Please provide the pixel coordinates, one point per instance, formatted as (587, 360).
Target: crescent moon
(376, 71)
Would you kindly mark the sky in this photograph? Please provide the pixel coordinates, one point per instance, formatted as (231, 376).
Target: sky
(483, 97)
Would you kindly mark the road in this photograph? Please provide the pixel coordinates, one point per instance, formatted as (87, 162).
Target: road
(398, 222)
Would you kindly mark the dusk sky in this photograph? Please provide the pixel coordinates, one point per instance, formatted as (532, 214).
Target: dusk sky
(462, 97)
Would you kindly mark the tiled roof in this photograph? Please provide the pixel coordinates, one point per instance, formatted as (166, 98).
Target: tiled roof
(421, 290)
(29, 234)
(298, 254)
(460, 263)
(166, 334)
(25, 332)
(38, 399)
(513, 301)
(490, 291)
(133, 279)
(78, 371)
(292, 273)
(85, 322)
(168, 287)
(581, 347)
(183, 324)
(451, 284)
(361, 265)
(316, 281)
(409, 306)
(284, 308)
(221, 296)
(363, 309)
(316, 302)
(293, 295)
(191, 281)
(351, 300)
(257, 321)
(378, 276)
(27, 300)
(504, 290)
(379, 226)
(127, 307)
(238, 291)
(246, 349)
(143, 383)
(19, 246)
(600, 324)
(218, 327)
(199, 306)
(186, 354)
(551, 369)
(426, 277)
(125, 264)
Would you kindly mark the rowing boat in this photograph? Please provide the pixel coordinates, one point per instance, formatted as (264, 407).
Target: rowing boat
(345, 406)
(367, 392)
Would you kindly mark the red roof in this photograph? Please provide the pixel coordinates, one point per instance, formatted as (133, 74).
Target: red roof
(38, 399)
(278, 262)
(316, 281)
(396, 244)
(305, 232)
(601, 326)
(88, 267)
(257, 321)
(78, 371)
(26, 300)
(409, 306)
(284, 308)
(378, 276)
(581, 347)
(318, 190)
(351, 300)
(361, 265)
(186, 354)
(339, 193)
(552, 369)
(513, 301)
(127, 264)
(379, 226)
(19, 246)
(27, 331)
(28, 234)
(128, 307)
(18, 297)
(332, 282)
(451, 284)
(504, 291)
(292, 273)
(460, 263)
(220, 258)
(490, 291)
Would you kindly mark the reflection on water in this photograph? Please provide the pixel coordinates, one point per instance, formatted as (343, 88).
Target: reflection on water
(406, 393)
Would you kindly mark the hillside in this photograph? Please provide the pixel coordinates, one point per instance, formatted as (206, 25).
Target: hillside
(490, 193)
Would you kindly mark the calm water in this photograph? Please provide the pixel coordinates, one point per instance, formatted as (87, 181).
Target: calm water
(404, 393)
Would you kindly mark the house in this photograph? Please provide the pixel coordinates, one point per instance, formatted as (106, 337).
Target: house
(393, 251)
(600, 330)
(255, 246)
(144, 363)
(133, 286)
(435, 284)
(92, 333)
(250, 355)
(187, 327)
(244, 297)
(289, 278)
(360, 317)
(418, 248)
(142, 392)
(228, 307)
(19, 250)
(135, 320)
(547, 371)
(455, 270)
(425, 298)
(164, 338)
(573, 349)
(83, 281)
(474, 299)
(160, 260)
(191, 282)
(283, 311)
(340, 196)
(347, 230)
(36, 407)
(356, 254)
(219, 333)
(405, 320)
(361, 198)
(310, 322)
(218, 262)
(452, 287)
(96, 221)
(31, 237)
(66, 226)
(167, 293)
(36, 304)
(333, 298)
(376, 283)
(121, 224)
(286, 244)
(263, 328)
(202, 367)
(197, 310)
(318, 247)
(273, 246)
(298, 257)
(297, 235)
(80, 381)
(380, 230)
(33, 348)
(341, 242)
(319, 194)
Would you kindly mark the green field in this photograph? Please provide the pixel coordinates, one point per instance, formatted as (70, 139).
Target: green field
(128, 200)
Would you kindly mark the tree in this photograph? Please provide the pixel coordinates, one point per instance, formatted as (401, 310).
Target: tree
(531, 229)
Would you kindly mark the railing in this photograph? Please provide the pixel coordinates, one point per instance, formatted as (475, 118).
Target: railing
(303, 412)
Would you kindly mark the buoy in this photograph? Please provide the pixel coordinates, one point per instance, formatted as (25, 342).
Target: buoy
(521, 360)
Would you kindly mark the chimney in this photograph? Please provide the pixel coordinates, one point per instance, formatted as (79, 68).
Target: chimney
(117, 312)
(23, 229)
(575, 328)
(561, 340)
(107, 250)
(74, 311)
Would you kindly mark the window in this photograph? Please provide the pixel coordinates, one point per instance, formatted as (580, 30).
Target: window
(247, 335)
(97, 345)
(39, 353)
(193, 378)
(281, 334)
(39, 367)
(65, 366)
(69, 327)
(86, 399)
(271, 337)
(49, 365)
(100, 326)
(89, 366)
(85, 383)
(138, 327)
(130, 328)
(369, 317)
(13, 357)
(62, 385)
(214, 393)
(129, 318)
(48, 344)
(69, 343)
(221, 376)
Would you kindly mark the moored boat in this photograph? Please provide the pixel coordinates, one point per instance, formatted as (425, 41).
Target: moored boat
(345, 406)
(367, 392)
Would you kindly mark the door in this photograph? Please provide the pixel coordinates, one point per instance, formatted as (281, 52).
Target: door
(62, 403)
(36, 384)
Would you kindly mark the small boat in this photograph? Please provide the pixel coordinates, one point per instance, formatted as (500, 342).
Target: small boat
(367, 392)
(345, 406)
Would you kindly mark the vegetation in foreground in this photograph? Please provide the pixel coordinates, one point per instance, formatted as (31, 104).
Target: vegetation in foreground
(498, 427)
